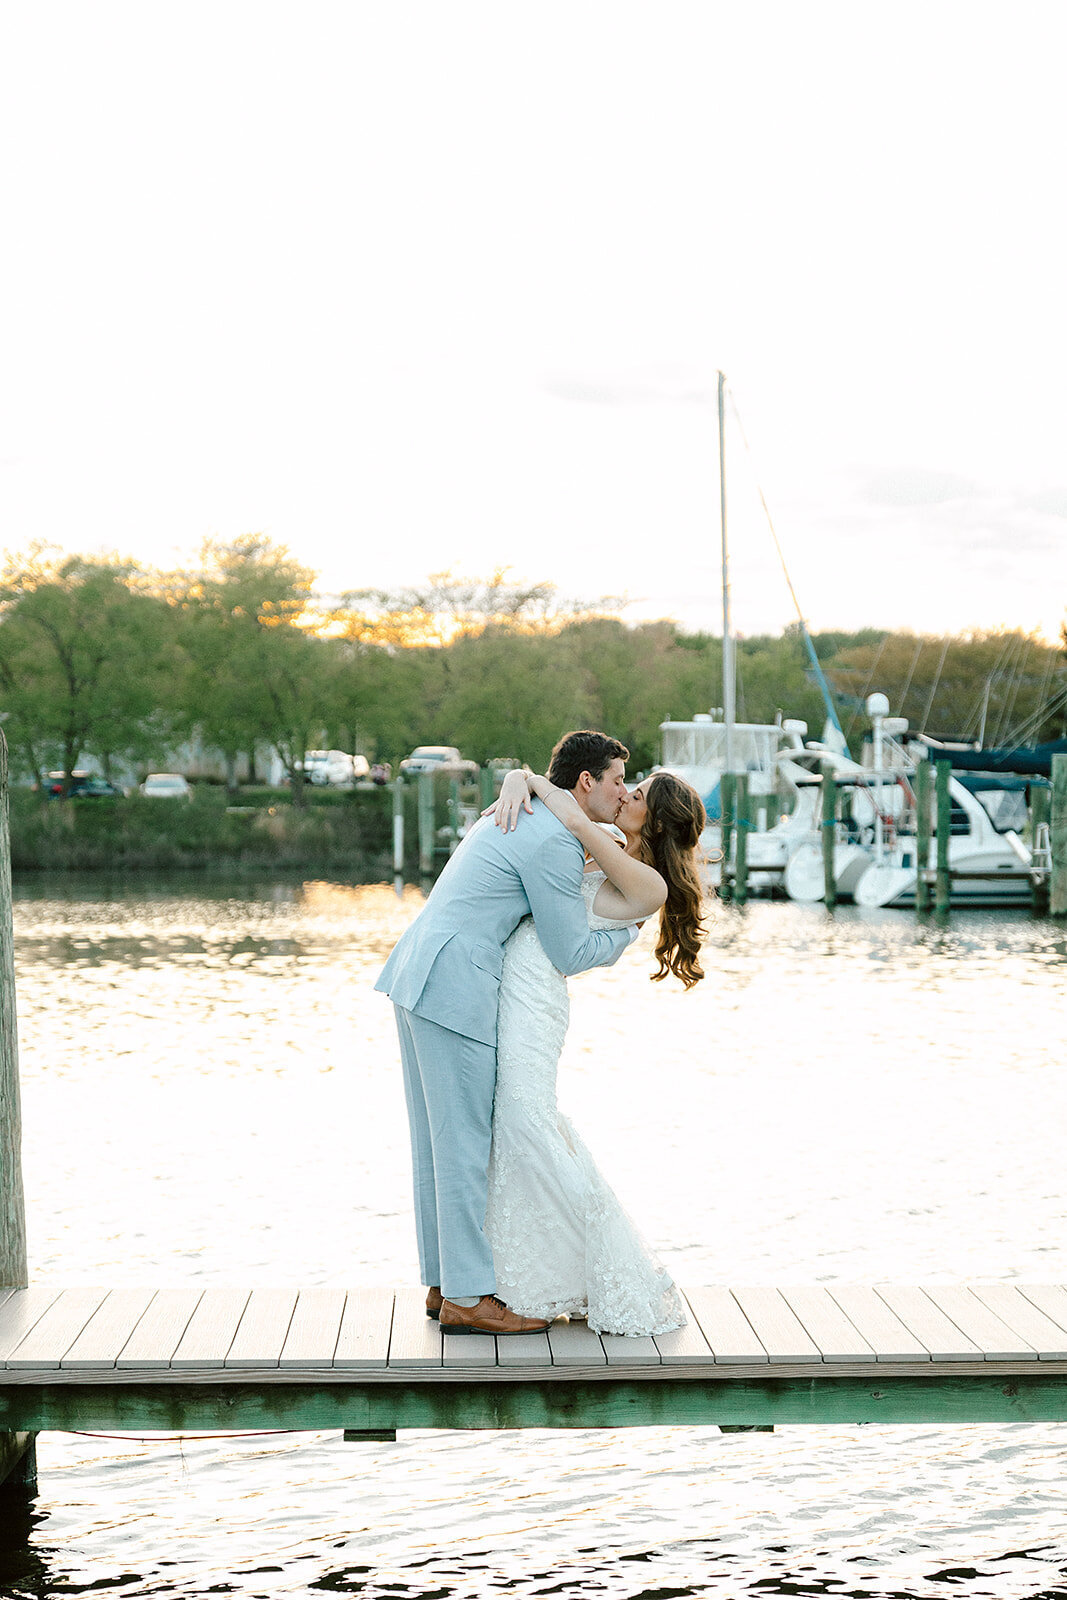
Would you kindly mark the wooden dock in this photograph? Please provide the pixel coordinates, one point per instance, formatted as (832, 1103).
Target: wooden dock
(370, 1362)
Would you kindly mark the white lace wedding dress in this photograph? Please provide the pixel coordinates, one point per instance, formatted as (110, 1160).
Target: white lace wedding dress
(562, 1243)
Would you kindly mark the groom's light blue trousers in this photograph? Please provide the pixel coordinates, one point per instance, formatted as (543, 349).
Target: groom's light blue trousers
(449, 1082)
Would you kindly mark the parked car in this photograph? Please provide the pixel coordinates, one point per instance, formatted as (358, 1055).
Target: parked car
(334, 768)
(166, 786)
(439, 758)
(83, 786)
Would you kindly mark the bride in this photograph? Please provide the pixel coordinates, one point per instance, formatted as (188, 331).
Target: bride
(562, 1243)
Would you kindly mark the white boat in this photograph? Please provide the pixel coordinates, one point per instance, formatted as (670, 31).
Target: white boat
(987, 815)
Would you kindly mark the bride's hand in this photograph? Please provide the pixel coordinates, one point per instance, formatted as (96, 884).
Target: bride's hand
(514, 798)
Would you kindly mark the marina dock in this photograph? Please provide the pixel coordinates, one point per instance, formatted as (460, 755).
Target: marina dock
(370, 1362)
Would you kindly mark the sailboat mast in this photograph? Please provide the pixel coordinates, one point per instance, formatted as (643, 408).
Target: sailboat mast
(728, 678)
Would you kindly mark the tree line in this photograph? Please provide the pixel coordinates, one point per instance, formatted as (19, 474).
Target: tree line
(101, 657)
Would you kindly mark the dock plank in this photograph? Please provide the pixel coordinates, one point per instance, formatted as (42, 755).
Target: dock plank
(264, 1325)
(469, 1350)
(48, 1341)
(993, 1337)
(834, 1335)
(877, 1323)
(779, 1331)
(159, 1332)
(313, 1332)
(685, 1347)
(104, 1336)
(574, 1344)
(20, 1312)
(416, 1340)
(524, 1350)
(1011, 1306)
(929, 1324)
(363, 1338)
(207, 1339)
(726, 1328)
(1050, 1299)
(630, 1350)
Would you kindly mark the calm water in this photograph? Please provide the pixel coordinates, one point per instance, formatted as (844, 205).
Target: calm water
(210, 1094)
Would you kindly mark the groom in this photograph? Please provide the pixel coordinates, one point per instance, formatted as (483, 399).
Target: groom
(443, 978)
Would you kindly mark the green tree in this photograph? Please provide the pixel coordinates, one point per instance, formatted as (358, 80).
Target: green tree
(258, 669)
(86, 661)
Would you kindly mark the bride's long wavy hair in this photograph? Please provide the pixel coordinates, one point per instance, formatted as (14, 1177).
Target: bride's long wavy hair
(670, 839)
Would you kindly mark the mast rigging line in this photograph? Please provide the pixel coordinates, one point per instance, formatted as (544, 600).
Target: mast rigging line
(820, 675)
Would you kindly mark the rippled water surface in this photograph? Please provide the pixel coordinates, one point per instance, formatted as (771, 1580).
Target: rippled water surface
(211, 1094)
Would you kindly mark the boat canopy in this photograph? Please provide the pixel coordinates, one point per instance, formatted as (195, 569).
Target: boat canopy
(1035, 762)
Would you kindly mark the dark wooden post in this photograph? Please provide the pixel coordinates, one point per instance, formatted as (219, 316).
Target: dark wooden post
(829, 834)
(1057, 900)
(742, 809)
(727, 801)
(922, 835)
(18, 1467)
(943, 885)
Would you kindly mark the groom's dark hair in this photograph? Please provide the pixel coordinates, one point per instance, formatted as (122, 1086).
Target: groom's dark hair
(583, 751)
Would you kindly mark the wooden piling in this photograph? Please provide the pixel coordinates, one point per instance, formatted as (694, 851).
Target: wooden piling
(943, 883)
(12, 1203)
(727, 803)
(398, 826)
(453, 814)
(18, 1463)
(426, 823)
(829, 834)
(922, 835)
(742, 822)
(1057, 899)
(1039, 816)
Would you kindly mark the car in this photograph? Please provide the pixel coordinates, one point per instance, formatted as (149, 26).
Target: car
(334, 768)
(166, 786)
(439, 758)
(83, 786)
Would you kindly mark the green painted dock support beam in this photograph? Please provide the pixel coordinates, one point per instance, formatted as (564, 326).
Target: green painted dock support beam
(381, 1408)
(727, 805)
(923, 831)
(829, 834)
(943, 884)
(1057, 898)
(426, 822)
(742, 824)
(486, 786)
(17, 1461)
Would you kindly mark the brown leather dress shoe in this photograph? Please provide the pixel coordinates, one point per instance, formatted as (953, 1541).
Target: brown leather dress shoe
(433, 1302)
(490, 1315)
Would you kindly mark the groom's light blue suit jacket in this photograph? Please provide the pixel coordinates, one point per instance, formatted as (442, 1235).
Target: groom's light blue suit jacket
(446, 966)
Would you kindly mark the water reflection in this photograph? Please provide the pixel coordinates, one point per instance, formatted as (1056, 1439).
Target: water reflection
(211, 1094)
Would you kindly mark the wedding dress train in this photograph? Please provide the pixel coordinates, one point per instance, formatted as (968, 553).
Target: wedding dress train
(562, 1244)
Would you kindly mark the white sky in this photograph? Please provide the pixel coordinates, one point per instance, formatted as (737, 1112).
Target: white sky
(412, 285)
